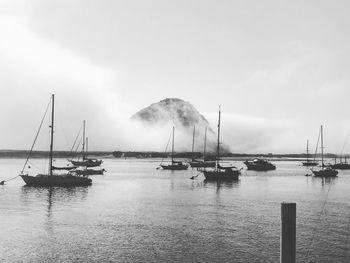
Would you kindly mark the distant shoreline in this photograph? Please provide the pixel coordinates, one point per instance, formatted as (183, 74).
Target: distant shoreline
(152, 154)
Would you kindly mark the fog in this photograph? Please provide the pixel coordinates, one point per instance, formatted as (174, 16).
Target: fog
(278, 71)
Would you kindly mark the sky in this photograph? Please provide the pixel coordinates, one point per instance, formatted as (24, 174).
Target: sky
(279, 69)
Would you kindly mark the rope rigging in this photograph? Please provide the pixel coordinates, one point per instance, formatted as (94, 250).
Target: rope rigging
(32, 147)
(36, 136)
(166, 148)
(76, 138)
(318, 140)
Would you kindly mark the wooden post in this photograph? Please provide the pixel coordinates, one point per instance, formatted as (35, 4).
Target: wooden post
(288, 233)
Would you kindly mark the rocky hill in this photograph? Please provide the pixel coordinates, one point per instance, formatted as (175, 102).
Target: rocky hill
(174, 110)
(184, 116)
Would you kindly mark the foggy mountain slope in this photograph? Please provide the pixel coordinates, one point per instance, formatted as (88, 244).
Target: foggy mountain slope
(183, 115)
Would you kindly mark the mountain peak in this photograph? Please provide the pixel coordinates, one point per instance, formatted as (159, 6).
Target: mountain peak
(173, 110)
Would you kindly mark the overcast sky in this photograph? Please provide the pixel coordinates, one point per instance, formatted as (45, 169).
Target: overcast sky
(278, 69)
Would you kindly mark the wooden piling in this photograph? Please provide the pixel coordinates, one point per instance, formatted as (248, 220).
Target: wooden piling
(288, 233)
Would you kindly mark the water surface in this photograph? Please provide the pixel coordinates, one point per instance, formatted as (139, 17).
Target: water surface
(136, 213)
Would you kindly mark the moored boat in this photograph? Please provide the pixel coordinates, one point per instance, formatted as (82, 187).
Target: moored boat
(259, 165)
(86, 172)
(309, 162)
(55, 180)
(174, 165)
(340, 166)
(220, 173)
(85, 161)
(199, 163)
(52, 179)
(325, 171)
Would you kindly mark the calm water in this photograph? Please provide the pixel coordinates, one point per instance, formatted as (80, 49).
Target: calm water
(136, 213)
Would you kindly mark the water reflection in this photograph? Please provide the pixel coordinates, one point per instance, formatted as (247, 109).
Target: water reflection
(325, 181)
(53, 195)
(222, 184)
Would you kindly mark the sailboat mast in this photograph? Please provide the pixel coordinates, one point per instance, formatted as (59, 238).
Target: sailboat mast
(218, 146)
(52, 123)
(84, 140)
(87, 144)
(172, 148)
(194, 132)
(307, 151)
(322, 145)
(205, 143)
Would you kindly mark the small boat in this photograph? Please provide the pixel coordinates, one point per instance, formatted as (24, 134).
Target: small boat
(85, 161)
(175, 165)
(64, 168)
(56, 180)
(51, 179)
(86, 172)
(308, 162)
(199, 163)
(220, 173)
(259, 165)
(341, 165)
(325, 171)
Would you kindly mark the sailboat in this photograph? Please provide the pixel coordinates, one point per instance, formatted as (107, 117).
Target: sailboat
(341, 165)
(220, 173)
(324, 171)
(84, 170)
(51, 179)
(308, 162)
(86, 162)
(198, 163)
(175, 165)
(260, 165)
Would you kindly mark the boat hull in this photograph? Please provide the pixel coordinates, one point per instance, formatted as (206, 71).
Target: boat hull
(175, 167)
(45, 180)
(309, 163)
(340, 166)
(89, 172)
(325, 173)
(260, 168)
(219, 175)
(87, 163)
(202, 164)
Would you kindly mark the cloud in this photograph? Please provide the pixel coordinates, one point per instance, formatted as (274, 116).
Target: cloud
(32, 68)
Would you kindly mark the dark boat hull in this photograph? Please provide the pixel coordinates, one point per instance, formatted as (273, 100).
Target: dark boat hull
(67, 180)
(259, 165)
(220, 175)
(309, 163)
(86, 163)
(325, 173)
(89, 172)
(175, 167)
(67, 168)
(202, 164)
(260, 168)
(340, 166)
